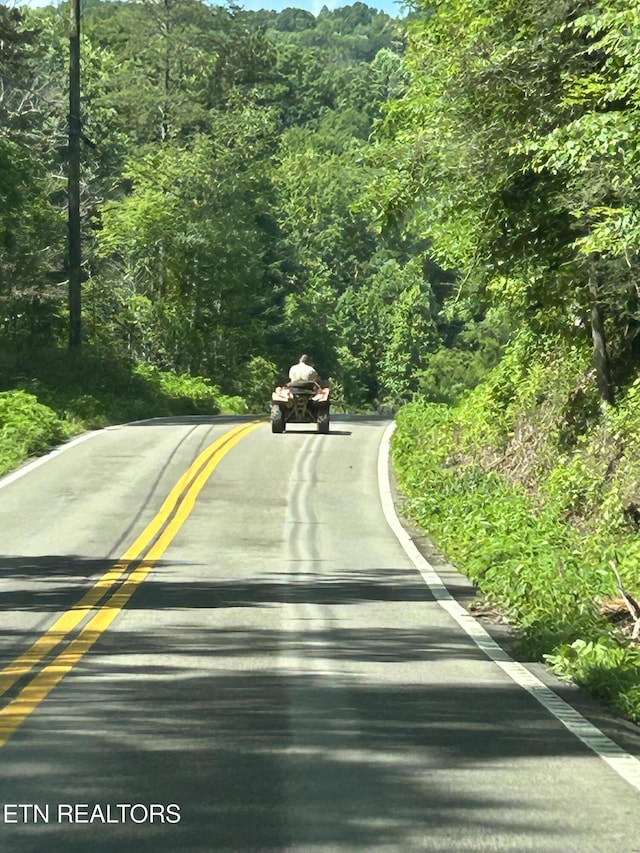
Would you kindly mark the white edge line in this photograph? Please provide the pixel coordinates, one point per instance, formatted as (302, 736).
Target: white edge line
(31, 466)
(624, 764)
(67, 445)
(26, 469)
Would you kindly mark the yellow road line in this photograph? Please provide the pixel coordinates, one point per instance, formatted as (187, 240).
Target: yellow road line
(182, 496)
(58, 631)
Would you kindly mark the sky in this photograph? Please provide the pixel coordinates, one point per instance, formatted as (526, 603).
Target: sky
(391, 7)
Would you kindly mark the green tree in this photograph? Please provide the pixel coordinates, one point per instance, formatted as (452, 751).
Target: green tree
(389, 332)
(189, 250)
(32, 231)
(492, 93)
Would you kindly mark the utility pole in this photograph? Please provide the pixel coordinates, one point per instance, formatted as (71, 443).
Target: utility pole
(75, 255)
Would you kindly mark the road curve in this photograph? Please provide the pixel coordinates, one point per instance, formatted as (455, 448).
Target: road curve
(211, 640)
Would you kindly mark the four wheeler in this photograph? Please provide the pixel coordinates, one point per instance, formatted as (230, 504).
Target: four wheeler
(305, 403)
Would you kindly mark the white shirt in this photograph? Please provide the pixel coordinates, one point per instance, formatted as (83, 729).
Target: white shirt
(302, 372)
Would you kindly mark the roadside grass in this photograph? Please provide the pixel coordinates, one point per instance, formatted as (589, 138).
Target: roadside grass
(47, 396)
(535, 510)
(28, 428)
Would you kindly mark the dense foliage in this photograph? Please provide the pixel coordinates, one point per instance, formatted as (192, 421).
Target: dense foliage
(515, 152)
(226, 172)
(515, 149)
(540, 512)
(48, 395)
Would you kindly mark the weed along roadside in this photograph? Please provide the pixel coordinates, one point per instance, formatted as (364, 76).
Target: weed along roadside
(538, 519)
(49, 396)
(28, 428)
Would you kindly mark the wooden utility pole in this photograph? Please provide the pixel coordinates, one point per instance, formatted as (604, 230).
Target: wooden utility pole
(75, 255)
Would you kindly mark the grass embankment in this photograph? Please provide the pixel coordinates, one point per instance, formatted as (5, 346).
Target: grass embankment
(533, 490)
(46, 397)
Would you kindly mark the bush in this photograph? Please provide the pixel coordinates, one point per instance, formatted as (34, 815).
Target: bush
(181, 394)
(524, 561)
(606, 667)
(51, 394)
(27, 428)
(533, 491)
(455, 369)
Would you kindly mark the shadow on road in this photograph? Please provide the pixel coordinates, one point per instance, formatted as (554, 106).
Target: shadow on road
(293, 430)
(362, 420)
(280, 738)
(260, 758)
(39, 584)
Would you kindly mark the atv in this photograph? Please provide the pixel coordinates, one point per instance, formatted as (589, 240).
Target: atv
(305, 403)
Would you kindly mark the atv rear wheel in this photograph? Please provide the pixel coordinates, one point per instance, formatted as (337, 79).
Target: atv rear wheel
(277, 419)
(323, 419)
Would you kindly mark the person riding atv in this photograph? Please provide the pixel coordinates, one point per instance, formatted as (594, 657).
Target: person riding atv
(303, 400)
(303, 373)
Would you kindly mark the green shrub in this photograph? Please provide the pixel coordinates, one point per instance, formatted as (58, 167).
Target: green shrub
(182, 394)
(606, 667)
(526, 562)
(68, 392)
(532, 489)
(27, 428)
(477, 349)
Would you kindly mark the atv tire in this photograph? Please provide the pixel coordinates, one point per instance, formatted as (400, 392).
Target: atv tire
(323, 419)
(277, 419)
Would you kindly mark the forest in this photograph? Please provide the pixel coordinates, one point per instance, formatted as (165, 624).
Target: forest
(443, 208)
(224, 199)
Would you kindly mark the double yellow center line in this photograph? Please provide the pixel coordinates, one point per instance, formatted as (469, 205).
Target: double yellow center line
(117, 585)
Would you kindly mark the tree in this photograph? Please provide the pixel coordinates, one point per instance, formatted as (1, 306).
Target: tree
(389, 332)
(485, 144)
(187, 243)
(226, 166)
(32, 232)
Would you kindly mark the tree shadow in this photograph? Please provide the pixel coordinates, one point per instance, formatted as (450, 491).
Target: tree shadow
(292, 429)
(46, 589)
(290, 736)
(206, 419)
(265, 758)
(172, 420)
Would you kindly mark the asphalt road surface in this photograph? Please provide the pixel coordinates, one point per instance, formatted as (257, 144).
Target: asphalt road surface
(212, 640)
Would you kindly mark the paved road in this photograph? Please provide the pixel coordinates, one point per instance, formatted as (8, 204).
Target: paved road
(250, 650)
